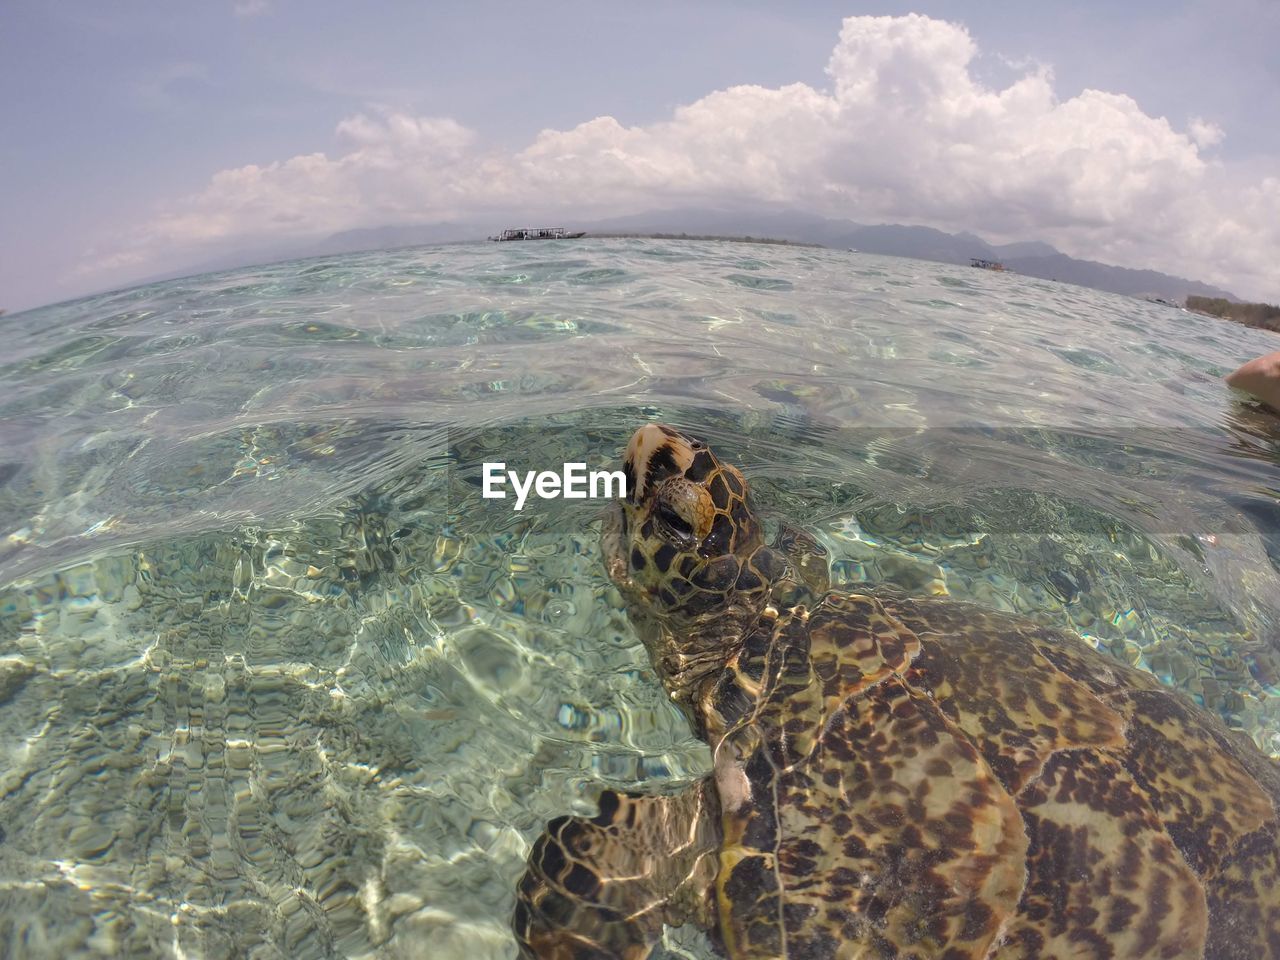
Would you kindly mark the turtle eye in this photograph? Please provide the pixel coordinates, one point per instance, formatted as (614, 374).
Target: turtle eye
(675, 524)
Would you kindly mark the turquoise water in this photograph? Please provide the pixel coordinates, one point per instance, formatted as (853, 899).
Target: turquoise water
(275, 681)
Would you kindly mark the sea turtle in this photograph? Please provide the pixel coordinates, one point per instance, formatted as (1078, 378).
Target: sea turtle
(894, 777)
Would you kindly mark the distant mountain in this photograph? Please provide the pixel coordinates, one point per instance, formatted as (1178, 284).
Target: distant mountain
(389, 238)
(922, 243)
(1101, 276)
(1025, 248)
(346, 241)
(1032, 258)
(779, 225)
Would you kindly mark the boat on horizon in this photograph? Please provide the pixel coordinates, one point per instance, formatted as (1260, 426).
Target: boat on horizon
(538, 233)
(986, 264)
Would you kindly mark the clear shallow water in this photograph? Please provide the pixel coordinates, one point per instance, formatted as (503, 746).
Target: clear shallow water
(275, 681)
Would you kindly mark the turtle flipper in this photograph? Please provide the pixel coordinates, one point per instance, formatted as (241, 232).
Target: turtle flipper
(601, 888)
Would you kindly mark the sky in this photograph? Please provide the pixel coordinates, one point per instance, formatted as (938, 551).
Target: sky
(147, 138)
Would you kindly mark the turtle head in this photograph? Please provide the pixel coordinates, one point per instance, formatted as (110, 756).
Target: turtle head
(684, 545)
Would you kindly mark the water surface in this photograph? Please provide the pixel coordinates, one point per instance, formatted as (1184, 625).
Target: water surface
(275, 681)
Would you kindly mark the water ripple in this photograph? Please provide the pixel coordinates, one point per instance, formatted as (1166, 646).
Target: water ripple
(276, 680)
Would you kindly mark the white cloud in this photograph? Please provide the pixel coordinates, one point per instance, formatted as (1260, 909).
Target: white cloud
(250, 8)
(1205, 133)
(906, 133)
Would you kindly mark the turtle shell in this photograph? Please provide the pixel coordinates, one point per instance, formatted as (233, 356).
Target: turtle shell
(926, 779)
